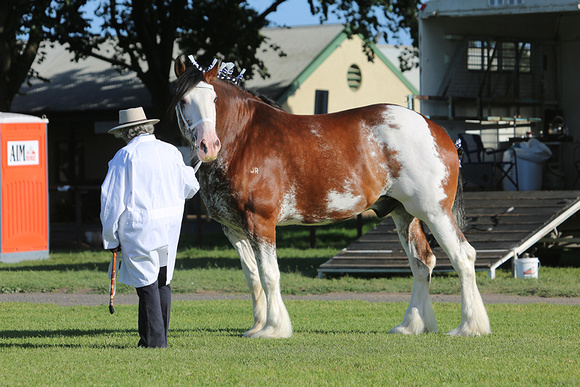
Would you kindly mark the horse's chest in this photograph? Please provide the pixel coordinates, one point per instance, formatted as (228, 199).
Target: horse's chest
(216, 194)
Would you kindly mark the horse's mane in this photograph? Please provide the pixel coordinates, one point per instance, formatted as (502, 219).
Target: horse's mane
(192, 76)
(267, 100)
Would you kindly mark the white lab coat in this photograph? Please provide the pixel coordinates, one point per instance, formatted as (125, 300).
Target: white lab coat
(142, 202)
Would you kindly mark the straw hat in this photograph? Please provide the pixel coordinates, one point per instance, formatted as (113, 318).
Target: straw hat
(132, 117)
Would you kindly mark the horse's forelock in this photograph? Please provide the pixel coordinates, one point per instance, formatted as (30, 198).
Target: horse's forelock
(189, 79)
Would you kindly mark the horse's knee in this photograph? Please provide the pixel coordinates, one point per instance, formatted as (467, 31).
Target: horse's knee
(420, 270)
(470, 252)
(464, 260)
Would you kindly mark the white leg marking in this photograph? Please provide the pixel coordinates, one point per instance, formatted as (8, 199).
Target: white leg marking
(474, 319)
(250, 269)
(278, 323)
(419, 316)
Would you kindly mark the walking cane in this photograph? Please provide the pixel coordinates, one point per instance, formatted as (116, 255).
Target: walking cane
(113, 273)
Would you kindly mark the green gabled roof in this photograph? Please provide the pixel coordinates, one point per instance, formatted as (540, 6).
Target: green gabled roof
(395, 69)
(307, 48)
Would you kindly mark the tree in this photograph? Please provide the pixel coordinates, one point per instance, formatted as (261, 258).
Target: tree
(24, 25)
(372, 18)
(145, 32)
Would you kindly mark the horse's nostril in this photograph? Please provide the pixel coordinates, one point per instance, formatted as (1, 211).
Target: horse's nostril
(203, 147)
(217, 142)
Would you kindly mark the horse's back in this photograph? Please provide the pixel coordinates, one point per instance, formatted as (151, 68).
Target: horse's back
(349, 160)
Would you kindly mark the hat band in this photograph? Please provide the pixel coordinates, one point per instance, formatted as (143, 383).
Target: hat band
(135, 122)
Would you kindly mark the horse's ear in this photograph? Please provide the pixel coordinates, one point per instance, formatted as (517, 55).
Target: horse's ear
(179, 67)
(212, 73)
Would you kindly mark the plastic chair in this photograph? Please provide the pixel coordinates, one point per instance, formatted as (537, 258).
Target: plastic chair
(480, 164)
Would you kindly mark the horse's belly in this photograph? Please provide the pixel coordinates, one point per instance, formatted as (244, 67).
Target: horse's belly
(331, 207)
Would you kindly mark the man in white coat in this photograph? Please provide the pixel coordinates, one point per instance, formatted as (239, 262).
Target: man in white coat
(142, 202)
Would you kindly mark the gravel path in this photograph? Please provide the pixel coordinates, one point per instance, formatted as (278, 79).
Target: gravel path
(75, 299)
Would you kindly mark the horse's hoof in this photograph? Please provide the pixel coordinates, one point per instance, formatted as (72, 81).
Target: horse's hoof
(402, 330)
(465, 330)
(270, 333)
(405, 330)
(249, 333)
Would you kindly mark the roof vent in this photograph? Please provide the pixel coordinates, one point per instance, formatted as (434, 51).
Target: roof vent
(354, 77)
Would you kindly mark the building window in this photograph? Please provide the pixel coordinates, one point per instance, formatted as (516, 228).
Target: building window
(499, 3)
(321, 102)
(354, 77)
(486, 55)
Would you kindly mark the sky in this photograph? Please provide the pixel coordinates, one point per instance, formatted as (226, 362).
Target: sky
(290, 13)
(297, 13)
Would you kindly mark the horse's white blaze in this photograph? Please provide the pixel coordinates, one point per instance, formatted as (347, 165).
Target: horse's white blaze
(199, 113)
(198, 105)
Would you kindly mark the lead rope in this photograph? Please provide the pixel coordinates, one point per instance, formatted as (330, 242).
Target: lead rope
(197, 165)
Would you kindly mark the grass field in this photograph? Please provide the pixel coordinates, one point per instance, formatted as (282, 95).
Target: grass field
(344, 343)
(338, 343)
(216, 267)
(218, 270)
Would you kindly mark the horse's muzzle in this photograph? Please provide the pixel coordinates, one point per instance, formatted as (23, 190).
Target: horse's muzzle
(208, 151)
(208, 144)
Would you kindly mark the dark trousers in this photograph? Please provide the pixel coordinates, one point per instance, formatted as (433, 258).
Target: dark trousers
(154, 312)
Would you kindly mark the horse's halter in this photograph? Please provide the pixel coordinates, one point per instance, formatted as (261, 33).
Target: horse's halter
(191, 129)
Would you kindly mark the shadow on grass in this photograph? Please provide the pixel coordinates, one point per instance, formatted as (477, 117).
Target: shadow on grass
(226, 332)
(59, 334)
(91, 266)
(304, 266)
(79, 333)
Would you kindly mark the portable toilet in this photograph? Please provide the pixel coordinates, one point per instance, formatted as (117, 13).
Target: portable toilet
(24, 188)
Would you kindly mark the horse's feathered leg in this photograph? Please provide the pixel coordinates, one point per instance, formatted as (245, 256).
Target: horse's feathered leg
(278, 323)
(262, 237)
(474, 319)
(419, 316)
(250, 268)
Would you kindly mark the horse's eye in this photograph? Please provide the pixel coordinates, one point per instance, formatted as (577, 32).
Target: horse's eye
(215, 100)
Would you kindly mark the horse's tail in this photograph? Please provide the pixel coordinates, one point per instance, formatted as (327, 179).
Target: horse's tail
(458, 208)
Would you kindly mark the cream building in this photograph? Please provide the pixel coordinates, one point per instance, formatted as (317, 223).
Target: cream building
(324, 71)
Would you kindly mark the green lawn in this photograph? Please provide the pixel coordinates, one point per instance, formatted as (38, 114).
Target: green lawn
(219, 270)
(342, 343)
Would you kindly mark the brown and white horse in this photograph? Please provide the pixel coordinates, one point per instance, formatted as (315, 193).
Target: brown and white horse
(263, 168)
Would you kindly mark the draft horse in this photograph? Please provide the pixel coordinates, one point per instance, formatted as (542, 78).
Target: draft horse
(262, 167)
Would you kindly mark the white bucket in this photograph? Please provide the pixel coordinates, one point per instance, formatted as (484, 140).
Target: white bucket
(526, 267)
